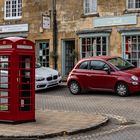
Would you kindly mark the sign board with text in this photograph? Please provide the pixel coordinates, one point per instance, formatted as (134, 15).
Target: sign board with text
(115, 21)
(46, 22)
(14, 28)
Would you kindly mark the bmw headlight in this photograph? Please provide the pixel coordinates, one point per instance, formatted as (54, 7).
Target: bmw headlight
(134, 78)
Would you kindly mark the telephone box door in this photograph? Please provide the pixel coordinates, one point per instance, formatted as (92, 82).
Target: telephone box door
(25, 83)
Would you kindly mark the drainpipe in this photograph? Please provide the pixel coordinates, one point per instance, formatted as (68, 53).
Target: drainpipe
(54, 33)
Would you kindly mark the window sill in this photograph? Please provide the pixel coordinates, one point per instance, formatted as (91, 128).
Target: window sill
(90, 15)
(127, 11)
(13, 18)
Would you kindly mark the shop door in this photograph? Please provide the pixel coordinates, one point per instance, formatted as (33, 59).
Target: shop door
(43, 53)
(68, 62)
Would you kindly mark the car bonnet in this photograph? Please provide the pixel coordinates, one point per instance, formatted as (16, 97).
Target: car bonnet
(134, 71)
(45, 72)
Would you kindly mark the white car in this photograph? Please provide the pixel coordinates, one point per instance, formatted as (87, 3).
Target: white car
(46, 77)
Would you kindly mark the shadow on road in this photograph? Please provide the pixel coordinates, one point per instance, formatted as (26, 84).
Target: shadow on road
(62, 89)
(104, 93)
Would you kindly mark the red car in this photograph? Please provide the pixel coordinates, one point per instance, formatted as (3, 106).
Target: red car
(104, 73)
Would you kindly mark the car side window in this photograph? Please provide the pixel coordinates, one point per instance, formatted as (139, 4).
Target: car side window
(84, 65)
(98, 65)
(106, 66)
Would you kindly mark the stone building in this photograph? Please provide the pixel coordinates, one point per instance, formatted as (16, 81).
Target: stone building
(66, 31)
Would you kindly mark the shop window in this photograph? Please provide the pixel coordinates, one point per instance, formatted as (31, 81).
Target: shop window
(133, 4)
(13, 9)
(90, 7)
(94, 46)
(132, 49)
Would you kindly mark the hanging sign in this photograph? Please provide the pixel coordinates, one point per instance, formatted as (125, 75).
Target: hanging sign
(46, 22)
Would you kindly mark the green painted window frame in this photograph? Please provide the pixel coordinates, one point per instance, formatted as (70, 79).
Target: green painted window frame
(94, 35)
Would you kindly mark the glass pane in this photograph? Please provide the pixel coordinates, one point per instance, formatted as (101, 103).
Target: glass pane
(98, 46)
(90, 6)
(94, 46)
(4, 102)
(104, 45)
(97, 65)
(13, 8)
(132, 49)
(130, 4)
(3, 107)
(137, 4)
(84, 65)
(4, 72)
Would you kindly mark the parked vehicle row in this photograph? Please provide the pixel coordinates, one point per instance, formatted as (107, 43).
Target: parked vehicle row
(45, 77)
(100, 73)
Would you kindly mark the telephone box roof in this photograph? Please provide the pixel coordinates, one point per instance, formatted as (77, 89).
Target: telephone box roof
(14, 39)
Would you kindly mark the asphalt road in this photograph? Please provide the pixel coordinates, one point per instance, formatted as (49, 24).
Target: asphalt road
(59, 98)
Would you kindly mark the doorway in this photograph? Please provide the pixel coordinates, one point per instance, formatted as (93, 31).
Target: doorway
(68, 59)
(42, 52)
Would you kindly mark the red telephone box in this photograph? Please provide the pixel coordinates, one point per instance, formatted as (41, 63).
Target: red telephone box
(17, 80)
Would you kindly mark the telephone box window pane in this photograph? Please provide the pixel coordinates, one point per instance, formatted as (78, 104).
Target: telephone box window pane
(4, 94)
(4, 101)
(3, 107)
(4, 72)
(4, 82)
(27, 63)
(25, 104)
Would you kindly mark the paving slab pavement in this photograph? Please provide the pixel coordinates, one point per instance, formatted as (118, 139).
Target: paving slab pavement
(53, 123)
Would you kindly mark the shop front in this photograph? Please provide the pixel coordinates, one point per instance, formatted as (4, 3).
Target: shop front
(112, 36)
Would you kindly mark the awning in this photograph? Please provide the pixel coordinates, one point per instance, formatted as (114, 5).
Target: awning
(136, 29)
(129, 31)
(101, 30)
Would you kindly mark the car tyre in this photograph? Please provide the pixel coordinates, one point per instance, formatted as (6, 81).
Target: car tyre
(122, 89)
(74, 87)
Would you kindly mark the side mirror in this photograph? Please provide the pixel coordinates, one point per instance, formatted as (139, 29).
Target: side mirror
(107, 70)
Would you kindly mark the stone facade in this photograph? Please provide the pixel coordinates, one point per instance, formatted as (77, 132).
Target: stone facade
(70, 20)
